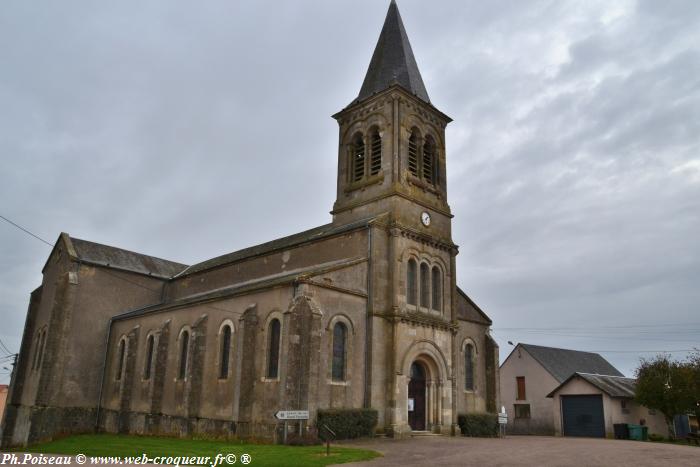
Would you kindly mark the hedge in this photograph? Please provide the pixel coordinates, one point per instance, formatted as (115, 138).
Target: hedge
(484, 425)
(347, 423)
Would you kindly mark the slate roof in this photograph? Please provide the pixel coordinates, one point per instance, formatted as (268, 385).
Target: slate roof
(285, 242)
(562, 363)
(123, 259)
(256, 284)
(393, 61)
(614, 386)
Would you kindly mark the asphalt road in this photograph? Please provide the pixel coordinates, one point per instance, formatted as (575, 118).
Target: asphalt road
(526, 451)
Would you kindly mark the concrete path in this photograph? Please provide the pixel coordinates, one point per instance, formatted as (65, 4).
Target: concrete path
(525, 451)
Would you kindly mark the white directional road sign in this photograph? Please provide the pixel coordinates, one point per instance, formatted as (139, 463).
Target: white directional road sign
(292, 415)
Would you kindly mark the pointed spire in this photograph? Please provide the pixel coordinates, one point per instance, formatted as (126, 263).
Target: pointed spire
(393, 61)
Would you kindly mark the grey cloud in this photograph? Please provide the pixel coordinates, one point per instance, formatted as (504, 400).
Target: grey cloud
(146, 126)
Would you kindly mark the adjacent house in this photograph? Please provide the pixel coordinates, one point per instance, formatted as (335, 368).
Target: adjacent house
(590, 405)
(531, 372)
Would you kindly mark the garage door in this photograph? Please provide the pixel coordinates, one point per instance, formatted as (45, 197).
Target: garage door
(583, 416)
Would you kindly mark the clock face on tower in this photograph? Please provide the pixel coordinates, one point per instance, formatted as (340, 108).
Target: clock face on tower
(425, 219)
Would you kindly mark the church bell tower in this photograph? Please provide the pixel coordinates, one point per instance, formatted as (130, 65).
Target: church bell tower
(391, 153)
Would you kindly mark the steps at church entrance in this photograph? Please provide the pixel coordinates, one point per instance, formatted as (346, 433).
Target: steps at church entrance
(416, 434)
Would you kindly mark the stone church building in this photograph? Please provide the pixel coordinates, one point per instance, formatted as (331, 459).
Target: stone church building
(362, 312)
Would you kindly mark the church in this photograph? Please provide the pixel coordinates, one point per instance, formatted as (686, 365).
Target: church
(363, 312)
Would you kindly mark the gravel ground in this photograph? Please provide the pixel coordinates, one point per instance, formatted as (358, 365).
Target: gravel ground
(526, 450)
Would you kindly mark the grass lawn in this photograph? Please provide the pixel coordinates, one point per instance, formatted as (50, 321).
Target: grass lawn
(261, 454)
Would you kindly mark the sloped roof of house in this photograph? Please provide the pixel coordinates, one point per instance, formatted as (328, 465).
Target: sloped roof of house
(614, 386)
(562, 363)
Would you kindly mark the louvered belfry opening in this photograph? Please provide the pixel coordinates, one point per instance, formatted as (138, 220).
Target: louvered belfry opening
(413, 153)
(358, 158)
(376, 151)
(428, 156)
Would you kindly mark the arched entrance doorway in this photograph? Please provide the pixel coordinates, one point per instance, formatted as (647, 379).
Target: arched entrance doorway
(416, 397)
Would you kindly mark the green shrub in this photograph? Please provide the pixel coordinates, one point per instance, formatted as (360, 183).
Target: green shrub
(484, 425)
(347, 423)
(655, 437)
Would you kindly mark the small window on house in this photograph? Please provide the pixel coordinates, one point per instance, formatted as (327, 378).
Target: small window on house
(411, 282)
(522, 410)
(520, 381)
(274, 349)
(623, 406)
(338, 365)
(413, 153)
(184, 353)
(121, 355)
(428, 160)
(469, 367)
(150, 343)
(225, 352)
(376, 153)
(358, 158)
(437, 289)
(424, 285)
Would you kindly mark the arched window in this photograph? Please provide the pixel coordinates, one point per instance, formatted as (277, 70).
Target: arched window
(437, 289)
(469, 367)
(150, 343)
(411, 282)
(413, 153)
(375, 153)
(121, 356)
(428, 160)
(340, 333)
(424, 285)
(358, 158)
(225, 339)
(184, 353)
(273, 356)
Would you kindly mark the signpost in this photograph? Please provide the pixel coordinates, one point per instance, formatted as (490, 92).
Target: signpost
(292, 415)
(502, 421)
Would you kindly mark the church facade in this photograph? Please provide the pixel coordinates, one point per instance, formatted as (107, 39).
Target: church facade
(363, 312)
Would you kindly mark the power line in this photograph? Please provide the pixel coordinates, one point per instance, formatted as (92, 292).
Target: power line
(26, 231)
(107, 272)
(2, 344)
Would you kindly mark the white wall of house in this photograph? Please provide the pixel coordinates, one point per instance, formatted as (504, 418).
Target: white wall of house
(538, 383)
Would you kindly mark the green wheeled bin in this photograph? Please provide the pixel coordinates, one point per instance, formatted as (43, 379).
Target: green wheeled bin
(635, 432)
(638, 432)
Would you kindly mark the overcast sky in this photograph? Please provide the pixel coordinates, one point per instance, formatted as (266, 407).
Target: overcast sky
(186, 130)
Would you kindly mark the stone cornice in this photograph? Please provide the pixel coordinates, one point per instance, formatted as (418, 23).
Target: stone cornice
(395, 229)
(359, 109)
(393, 192)
(419, 319)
